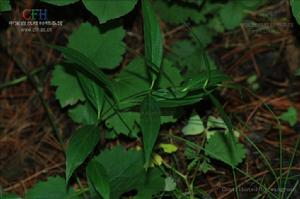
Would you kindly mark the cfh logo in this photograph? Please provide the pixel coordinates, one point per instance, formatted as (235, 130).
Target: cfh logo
(35, 14)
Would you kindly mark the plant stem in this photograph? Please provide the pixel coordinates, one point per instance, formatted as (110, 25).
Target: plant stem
(184, 177)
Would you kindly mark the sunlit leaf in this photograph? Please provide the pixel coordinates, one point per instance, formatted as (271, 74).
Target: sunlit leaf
(194, 126)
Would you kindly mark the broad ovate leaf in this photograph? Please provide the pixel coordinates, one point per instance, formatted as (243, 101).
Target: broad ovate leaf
(126, 172)
(102, 46)
(220, 147)
(150, 125)
(152, 35)
(53, 188)
(68, 90)
(106, 10)
(60, 2)
(80, 146)
(194, 126)
(99, 179)
(83, 113)
(229, 18)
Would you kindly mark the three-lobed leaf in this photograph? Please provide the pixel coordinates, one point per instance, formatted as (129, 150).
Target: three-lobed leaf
(80, 146)
(103, 46)
(68, 90)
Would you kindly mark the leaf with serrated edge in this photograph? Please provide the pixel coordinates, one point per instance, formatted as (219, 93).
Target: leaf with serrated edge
(68, 90)
(104, 47)
(220, 147)
(126, 172)
(53, 188)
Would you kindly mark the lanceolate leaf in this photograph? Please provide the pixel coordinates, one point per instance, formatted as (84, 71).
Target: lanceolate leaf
(150, 124)
(93, 92)
(109, 9)
(98, 177)
(152, 35)
(80, 146)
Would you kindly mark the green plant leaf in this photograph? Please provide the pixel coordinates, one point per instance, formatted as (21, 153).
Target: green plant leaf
(126, 172)
(107, 10)
(5, 6)
(297, 72)
(154, 184)
(188, 57)
(93, 92)
(291, 116)
(95, 43)
(53, 188)
(194, 126)
(177, 14)
(150, 125)
(8, 196)
(229, 18)
(80, 146)
(220, 147)
(85, 65)
(203, 33)
(152, 35)
(128, 127)
(168, 148)
(170, 184)
(83, 113)
(60, 2)
(205, 166)
(65, 80)
(216, 122)
(98, 177)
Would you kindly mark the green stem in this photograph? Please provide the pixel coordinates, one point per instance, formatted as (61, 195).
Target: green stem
(184, 177)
